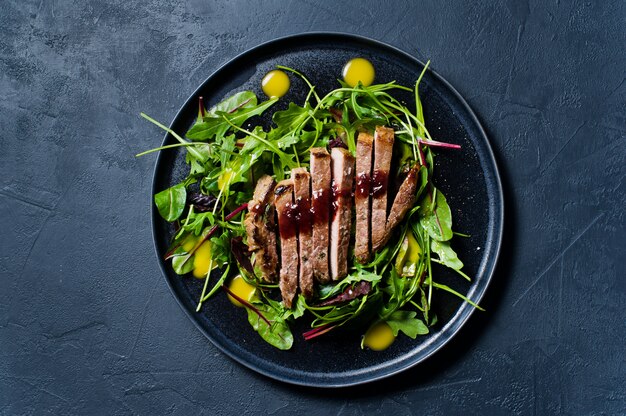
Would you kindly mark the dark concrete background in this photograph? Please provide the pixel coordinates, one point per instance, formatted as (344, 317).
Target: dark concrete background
(87, 323)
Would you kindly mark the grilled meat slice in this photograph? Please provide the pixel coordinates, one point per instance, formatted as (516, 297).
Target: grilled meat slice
(362, 197)
(383, 149)
(403, 202)
(343, 174)
(320, 207)
(288, 227)
(302, 184)
(261, 229)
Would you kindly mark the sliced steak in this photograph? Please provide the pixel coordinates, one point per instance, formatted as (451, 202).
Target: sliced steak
(261, 229)
(362, 197)
(321, 199)
(343, 174)
(405, 198)
(302, 193)
(287, 227)
(383, 150)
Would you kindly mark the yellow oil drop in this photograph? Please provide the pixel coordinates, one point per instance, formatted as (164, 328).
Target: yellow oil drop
(415, 251)
(379, 337)
(358, 69)
(241, 288)
(202, 260)
(189, 243)
(275, 83)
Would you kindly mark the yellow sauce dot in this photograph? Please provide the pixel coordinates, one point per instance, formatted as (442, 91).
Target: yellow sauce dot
(189, 243)
(358, 69)
(275, 83)
(379, 337)
(415, 250)
(202, 260)
(242, 289)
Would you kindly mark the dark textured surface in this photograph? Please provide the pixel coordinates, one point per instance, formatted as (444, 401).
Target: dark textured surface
(87, 324)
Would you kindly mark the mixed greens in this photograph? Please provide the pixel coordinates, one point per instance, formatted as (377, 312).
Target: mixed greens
(225, 158)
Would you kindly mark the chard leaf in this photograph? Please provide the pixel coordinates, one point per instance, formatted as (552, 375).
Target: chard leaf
(406, 322)
(447, 255)
(351, 292)
(277, 332)
(171, 202)
(243, 99)
(216, 125)
(181, 263)
(436, 218)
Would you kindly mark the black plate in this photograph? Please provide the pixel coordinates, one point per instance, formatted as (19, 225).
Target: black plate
(469, 178)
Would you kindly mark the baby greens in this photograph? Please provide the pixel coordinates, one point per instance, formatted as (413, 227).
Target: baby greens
(227, 150)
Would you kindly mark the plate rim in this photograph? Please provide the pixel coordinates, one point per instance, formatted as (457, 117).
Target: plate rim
(498, 223)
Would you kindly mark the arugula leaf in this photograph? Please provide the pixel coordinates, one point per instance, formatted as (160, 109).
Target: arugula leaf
(422, 180)
(447, 255)
(171, 202)
(435, 216)
(219, 123)
(455, 293)
(290, 119)
(406, 322)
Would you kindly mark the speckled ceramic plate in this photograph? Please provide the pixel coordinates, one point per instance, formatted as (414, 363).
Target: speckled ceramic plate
(469, 178)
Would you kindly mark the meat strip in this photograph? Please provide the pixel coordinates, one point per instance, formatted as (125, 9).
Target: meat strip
(320, 208)
(287, 227)
(383, 149)
(261, 229)
(302, 193)
(343, 173)
(362, 197)
(405, 198)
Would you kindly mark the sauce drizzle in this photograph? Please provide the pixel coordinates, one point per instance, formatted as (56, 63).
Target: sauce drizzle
(379, 183)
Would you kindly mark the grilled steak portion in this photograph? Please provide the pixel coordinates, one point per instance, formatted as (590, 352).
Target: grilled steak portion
(343, 173)
(405, 198)
(302, 184)
(287, 227)
(261, 229)
(383, 149)
(362, 190)
(320, 208)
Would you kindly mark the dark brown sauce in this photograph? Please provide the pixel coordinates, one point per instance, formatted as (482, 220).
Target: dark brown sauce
(256, 209)
(337, 195)
(288, 221)
(379, 183)
(303, 215)
(363, 185)
(321, 206)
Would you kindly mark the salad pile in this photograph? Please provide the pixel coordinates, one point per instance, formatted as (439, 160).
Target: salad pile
(227, 151)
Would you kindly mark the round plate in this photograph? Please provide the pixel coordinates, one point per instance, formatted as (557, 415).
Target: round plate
(469, 179)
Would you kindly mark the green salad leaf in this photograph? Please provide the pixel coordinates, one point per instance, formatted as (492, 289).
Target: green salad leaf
(435, 216)
(406, 322)
(273, 329)
(171, 202)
